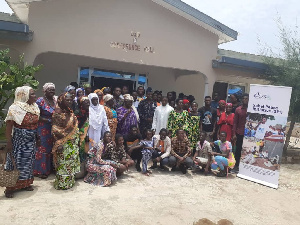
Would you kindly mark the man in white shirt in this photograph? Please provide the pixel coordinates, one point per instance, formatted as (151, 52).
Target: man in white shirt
(161, 115)
(261, 129)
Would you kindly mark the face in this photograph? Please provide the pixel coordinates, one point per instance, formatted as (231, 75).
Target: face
(172, 104)
(107, 137)
(86, 104)
(79, 93)
(50, 92)
(245, 100)
(159, 97)
(117, 92)
(194, 107)
(154, 96)
(149, 134)
(264, 120)
(207, 101)
(216, 96)
(233, 99)
(88, 90)
(228, 108)
(128, 104)
(120, 141)
(95, 101)
(223, 137)
(73, 94)
(149, 95)
(180, 104)
(134, 95)
(141, 91)
(32, 97)
(163, 135)
(202, 136)
(125, 90)
(106, 91)
(100, 95)
(164, 101)
(170, 96)
(186, 106)
(180, 134)
(222, 105)
(134, 131)
(110, 103)
(69, 100)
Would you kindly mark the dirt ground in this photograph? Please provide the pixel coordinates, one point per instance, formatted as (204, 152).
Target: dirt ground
(163, 198)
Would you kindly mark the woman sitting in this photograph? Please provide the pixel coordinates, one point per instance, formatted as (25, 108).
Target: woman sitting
(101, 172)
(225, 157)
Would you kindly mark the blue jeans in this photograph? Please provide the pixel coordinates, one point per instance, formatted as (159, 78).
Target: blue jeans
(163, 162)
(221, 161)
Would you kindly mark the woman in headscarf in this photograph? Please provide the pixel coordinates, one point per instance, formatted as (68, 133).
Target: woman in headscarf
(100, 96)
(43, 164)
(21, 133)
(97, 119)
(66, 141)
(79, 93)
(111, 114)
(127, 116)
(226, 122)
(72, 90)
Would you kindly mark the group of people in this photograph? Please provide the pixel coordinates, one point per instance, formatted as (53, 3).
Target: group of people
(99, 135)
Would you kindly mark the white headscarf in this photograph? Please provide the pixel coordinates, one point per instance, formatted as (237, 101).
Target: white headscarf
(107, 97)
(20, 107)
(96, 113)
(47, 86)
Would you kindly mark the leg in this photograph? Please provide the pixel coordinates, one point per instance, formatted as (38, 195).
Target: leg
(221, 161)
(155, 154)
(164, 162)
(238, 151)
(121, 170)
(137, 155)
(172, 161)
(188, 162)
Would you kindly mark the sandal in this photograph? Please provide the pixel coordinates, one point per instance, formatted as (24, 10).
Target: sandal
(9, 194)
(30, 188)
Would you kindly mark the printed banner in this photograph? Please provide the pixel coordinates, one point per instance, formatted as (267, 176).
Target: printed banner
(265, 134)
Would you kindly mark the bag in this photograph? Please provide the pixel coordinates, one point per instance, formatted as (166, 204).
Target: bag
(231, 161)
(9, 178)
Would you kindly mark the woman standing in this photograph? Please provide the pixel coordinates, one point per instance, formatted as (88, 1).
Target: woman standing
(220, 109)
(97, 119)
(127, 116)
(101, 172)
(66, 138)
(22, 119)
(226, 122)
(100, 96)
(43, 164)
(178, 118)
(194, 125)
(111, 114)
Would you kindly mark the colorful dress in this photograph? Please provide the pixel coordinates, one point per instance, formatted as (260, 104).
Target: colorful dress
(100, 171)
(222, 161)
(43, 164)
(226, 124)
(146, 110)
(66, 135)
(112, 119)
(177, 121)
(147, 153)
(193, 129)
(124, 125)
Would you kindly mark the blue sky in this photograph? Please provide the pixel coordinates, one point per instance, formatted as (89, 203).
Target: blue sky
(253, 19)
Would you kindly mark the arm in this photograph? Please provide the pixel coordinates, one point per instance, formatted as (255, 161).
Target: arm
(8, 134)
(168, 149)
(173, 152)
(235, 123)
(154, 123)
(189, 151)
(197, 151)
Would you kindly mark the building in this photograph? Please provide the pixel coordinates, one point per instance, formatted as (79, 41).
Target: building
(165, 44)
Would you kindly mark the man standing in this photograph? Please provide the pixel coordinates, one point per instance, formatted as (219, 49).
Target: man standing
(239, 129)
(180, 152)
(146, 110)
(161, 115)
(215, 102)
(141, 93)
(118, 101)
(125, 90)
(208, 118)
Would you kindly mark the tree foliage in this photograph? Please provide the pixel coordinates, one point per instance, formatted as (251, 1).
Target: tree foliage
(13, 75)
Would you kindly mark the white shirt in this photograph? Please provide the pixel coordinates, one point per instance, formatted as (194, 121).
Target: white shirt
(261, 131)
(160, 118)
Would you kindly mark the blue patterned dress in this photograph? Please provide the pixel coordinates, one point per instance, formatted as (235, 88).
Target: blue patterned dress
(43, 164)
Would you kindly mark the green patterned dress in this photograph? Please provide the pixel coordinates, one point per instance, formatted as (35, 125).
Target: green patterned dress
(193, 129)
(177, 121)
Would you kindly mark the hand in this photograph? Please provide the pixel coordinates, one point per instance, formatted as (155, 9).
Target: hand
(158, 159)
(181, 159)
(114, 165)
(234, 138)
(9, 146)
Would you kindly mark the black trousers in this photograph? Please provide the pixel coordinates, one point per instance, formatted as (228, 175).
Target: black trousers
(137, 155)
(239, 147)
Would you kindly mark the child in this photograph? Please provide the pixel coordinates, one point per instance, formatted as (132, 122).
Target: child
(225, 158)
(147, 150)
(120, 155)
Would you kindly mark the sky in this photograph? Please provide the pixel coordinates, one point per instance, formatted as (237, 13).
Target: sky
(253, 19)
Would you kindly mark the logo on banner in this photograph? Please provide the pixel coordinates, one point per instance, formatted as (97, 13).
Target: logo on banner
(260, 96)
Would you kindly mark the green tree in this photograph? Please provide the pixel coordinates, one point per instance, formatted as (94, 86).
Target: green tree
(13, 75)
(284, 70)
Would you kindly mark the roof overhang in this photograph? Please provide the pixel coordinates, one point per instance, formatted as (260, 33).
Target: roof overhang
(225, 34)
(15, 31)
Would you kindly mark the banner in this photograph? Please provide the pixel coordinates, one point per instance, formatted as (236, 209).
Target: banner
(265, 134)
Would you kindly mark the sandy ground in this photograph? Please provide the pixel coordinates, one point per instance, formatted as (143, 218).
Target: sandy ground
(163, 198)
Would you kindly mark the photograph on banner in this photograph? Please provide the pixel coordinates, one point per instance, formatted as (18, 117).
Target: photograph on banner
(264, 140)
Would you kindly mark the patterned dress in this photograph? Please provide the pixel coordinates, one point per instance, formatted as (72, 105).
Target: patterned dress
(43, 164)
(124, 124)
(24, 149)
(112, 119)
(193, 129)
(177, 121)
(100, 171)
(147, 153)
(146, 110)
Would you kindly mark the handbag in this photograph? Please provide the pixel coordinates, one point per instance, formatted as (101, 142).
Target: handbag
(9, 178)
